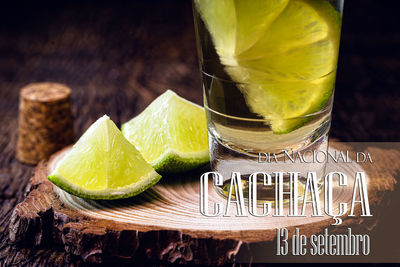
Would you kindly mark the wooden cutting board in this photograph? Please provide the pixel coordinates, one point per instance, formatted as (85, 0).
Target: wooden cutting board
(164, 223)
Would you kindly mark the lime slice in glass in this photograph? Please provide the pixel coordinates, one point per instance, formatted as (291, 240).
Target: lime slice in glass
(171, 134)
(103, 165)
(281, 53)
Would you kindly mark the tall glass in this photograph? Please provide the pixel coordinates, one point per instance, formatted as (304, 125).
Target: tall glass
(268, 72)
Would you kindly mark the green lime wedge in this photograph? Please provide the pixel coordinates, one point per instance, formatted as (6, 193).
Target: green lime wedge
(171, 134)
(103, 165)
(281, 53)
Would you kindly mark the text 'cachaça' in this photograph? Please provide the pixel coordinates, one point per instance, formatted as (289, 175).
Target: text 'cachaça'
(310, 196)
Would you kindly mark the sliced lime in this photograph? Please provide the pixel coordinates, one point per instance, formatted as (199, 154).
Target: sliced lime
(103, 165)
(170, 133)
(282, 54)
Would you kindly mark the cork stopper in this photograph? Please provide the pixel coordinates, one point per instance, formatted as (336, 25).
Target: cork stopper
(45, 121)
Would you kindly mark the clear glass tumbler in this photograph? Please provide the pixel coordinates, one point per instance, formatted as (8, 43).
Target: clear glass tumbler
(268, 74)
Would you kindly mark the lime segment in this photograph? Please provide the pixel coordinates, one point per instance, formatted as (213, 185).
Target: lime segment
(103, 165)
(281, 53)
(171, 134)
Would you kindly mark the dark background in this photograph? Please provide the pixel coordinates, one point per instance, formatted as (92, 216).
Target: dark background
(131, 51)
(117, 56)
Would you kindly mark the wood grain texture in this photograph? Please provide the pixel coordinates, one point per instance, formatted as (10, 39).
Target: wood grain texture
(117, 57)
(173, 205)
(165, 224)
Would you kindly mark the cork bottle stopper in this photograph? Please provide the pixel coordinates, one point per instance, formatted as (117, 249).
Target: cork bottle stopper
(45, 121)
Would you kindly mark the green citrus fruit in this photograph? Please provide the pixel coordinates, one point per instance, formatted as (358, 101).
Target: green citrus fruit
(103, 165)
(171, 134)
(281, 53)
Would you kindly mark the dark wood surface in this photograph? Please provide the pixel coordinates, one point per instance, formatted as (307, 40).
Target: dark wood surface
(118, 57)
(48, 217)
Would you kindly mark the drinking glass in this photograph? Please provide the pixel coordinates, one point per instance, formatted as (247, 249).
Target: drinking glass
(268, 70)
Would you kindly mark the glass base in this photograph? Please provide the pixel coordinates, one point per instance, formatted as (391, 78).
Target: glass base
(226, 160)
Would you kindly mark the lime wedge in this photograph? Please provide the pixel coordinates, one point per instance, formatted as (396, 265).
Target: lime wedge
(103, 165)
(171, 134)
(281, 53)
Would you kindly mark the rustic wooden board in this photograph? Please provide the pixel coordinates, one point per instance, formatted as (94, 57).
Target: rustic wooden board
(117, 57)
(164, 223)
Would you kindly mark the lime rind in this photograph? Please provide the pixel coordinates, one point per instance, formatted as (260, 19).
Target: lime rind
(176, 162)
(283, 60)
(316, 102)
(107, 194)
(170, 133)
(103, 165)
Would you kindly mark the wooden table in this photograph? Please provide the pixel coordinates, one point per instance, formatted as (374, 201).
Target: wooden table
(117, 58)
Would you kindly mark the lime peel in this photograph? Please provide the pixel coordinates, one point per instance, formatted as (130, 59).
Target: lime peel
(282, 54)
(170, 133)
(103, 165)
(107, 194)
